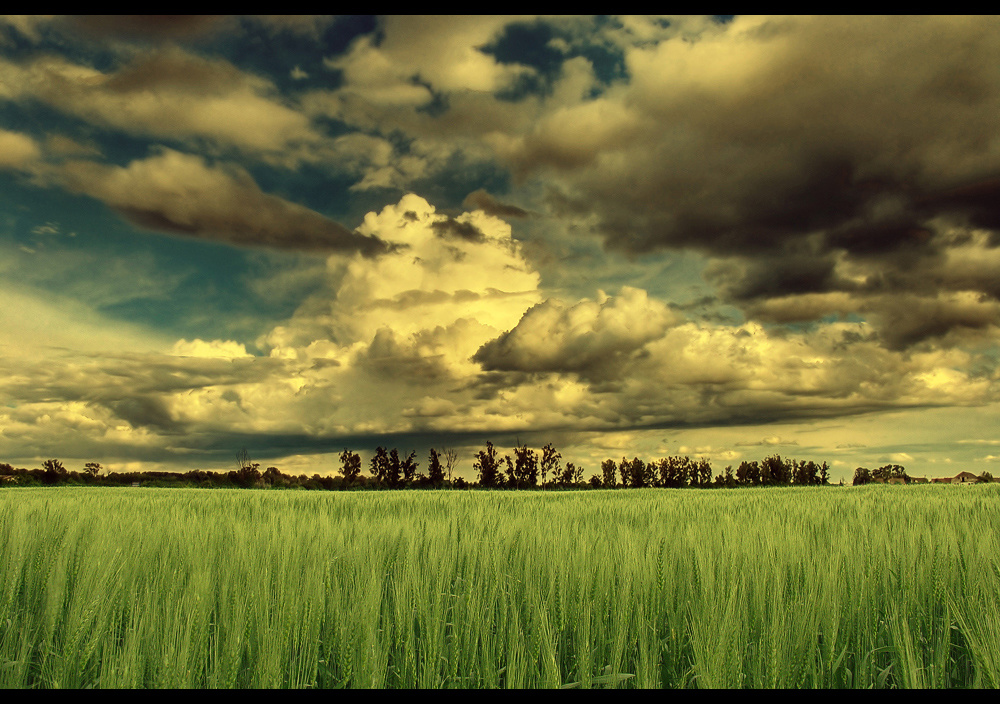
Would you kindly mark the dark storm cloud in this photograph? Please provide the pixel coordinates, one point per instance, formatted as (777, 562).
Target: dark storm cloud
(458, 230)
(482, 200)
(591, 338)
(181, 194)
(854, 141)
(144, 412)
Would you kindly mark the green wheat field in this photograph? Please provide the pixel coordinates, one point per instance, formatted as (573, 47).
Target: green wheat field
(823, 587)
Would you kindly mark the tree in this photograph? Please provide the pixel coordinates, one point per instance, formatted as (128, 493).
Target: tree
(889, 471)
(748, 473)
(525, 467)
(248, 473)
(634, 473)
(379, 465)
(395, 469)
(93, 468)
(488, 467)
(509, 464)
(984, 478)
(273, 477)
(862, 476)
(774, 471)
(608, 473)
(571, 475)
(550, 462)
(435, 472)
(705, 469)
(450, 460)
(350, 465)
(409, 467)
(54, 471)
(824, 474)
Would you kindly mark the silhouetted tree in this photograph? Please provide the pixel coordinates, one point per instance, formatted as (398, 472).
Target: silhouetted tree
(92, 468)
(525, 467)
(379, 465)
(774, 471)
(273, 477)
(395, 468)
(350, 465)
(54, 471)
(435, 472)
(450, 460)
(705, 471)
(409, 467)
(550, 462)
(609, 473)
(862, 476)
(748, 473)
(488, 467)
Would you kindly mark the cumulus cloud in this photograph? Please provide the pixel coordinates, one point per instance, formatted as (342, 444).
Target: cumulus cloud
(590, 337)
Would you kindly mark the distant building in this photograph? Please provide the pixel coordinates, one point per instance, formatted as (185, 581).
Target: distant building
(896, 480)
(965, 478)
(918, 480)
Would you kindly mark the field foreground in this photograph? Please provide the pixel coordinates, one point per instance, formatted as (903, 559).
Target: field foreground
(797, 587)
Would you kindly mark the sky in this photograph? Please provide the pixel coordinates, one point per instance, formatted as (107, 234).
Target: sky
(722, 237)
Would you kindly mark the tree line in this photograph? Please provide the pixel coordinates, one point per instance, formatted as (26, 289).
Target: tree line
(523, 468)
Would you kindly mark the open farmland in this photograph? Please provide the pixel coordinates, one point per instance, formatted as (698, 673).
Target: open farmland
(796, 587)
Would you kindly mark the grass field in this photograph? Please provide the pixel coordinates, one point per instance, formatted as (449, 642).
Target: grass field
(797, 587)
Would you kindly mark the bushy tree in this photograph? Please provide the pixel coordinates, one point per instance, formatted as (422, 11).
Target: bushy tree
(273, 477)
(350, 465)
(92, 468)
(889, 471)
(488, 467)
(435, 472)
(409, 467)
(862, 476)
(773, 471)
(748, 473)
(380, 465)
(525, 467)
(609, 471)
(54, 471)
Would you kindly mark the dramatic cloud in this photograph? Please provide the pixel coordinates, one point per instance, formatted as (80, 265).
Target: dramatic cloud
(796, 217)
(182, 194)
(170, 94)
(590, 337)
